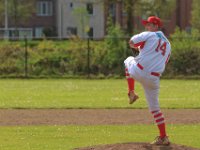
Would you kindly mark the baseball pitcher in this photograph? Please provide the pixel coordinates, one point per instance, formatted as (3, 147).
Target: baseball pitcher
(146, 68)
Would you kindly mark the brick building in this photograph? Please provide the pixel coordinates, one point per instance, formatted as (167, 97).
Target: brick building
(55, 18)
(43, 19)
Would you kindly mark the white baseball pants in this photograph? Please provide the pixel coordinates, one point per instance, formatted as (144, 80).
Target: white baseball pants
(150, 83)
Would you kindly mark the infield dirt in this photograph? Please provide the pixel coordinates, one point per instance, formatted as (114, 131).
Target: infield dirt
(25, 117)
(9, 117)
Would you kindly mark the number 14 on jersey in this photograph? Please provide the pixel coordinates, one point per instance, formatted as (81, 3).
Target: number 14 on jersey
(161, 47)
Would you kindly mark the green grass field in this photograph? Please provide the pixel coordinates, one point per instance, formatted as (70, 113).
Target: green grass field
(67, 93)
(69, 137)
(61, 93)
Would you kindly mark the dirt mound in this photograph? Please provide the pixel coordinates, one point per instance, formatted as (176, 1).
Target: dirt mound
(137, 146)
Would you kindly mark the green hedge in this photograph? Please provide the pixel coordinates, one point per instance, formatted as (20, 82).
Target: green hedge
(48, 58)
(10, 58)
(185, 62)
(70, 57)
(185, 58)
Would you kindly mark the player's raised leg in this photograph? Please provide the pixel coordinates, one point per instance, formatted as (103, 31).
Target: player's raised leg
(131, 87)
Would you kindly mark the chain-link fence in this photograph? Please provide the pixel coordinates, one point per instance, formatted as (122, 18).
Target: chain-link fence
(85, 57)
(61, 58)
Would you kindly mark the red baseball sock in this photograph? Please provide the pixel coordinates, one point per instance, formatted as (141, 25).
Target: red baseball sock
(162, 130)
(160, 121)
(131, 82)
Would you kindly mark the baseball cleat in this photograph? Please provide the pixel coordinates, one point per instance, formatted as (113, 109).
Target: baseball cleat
(161, 141)
(132, 97)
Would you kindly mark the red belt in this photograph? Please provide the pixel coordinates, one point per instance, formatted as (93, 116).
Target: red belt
(152, 73)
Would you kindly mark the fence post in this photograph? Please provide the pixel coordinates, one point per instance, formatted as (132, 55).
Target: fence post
(88, 56)
(26, 57)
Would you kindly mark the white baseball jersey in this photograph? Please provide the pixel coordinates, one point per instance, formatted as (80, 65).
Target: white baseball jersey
(154, 50)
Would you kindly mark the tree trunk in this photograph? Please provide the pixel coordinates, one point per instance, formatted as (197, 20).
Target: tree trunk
(130, 20)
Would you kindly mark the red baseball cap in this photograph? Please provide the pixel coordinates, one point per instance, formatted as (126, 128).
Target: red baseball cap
(153, 19)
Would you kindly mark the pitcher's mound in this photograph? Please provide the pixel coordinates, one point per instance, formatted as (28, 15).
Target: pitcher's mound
(137, 146)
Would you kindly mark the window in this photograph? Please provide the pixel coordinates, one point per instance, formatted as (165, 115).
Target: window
(89, 7)
(71, 31)
(112, 12)
(71, 5)
(112, 9)
(25, 32)
(44, 8)
(20, 32)
(38, 32)
(91, 32)
(124, 12)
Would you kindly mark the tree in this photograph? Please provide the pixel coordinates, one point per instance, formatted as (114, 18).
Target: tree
(130, 10)
(115, 46)
(18, 11)
(144, 8)
(160, 8)
(195, 14)
(82, 18)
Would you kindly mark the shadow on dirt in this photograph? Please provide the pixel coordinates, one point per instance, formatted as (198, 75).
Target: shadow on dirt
(137, 146)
